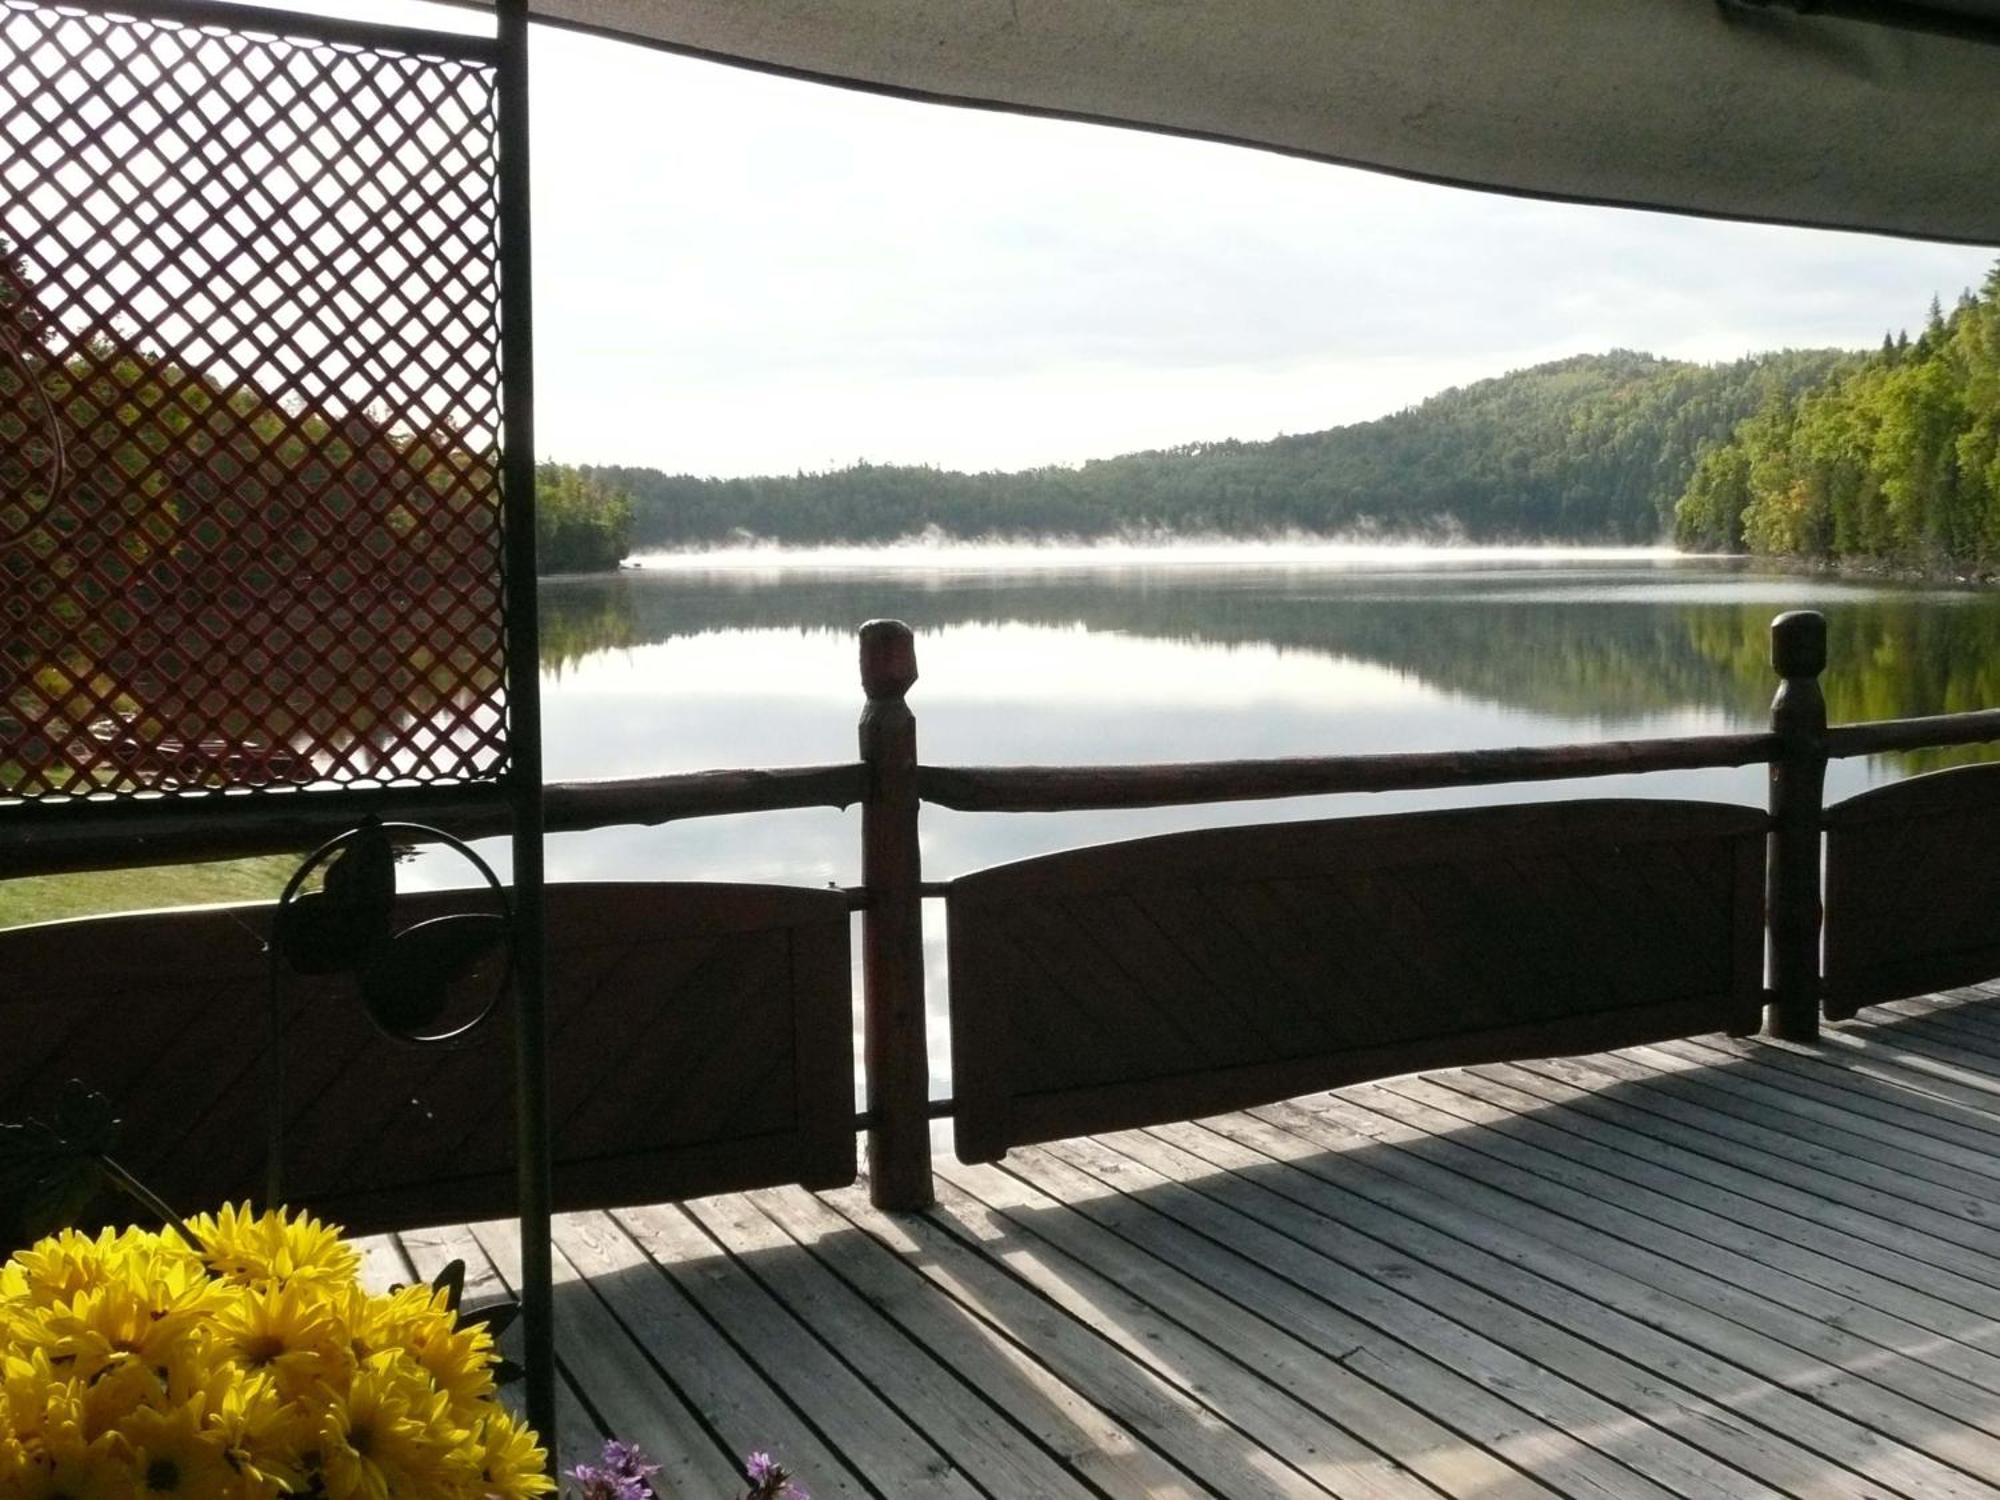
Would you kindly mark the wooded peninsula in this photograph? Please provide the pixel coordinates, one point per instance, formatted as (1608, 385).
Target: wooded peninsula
(1889, 457)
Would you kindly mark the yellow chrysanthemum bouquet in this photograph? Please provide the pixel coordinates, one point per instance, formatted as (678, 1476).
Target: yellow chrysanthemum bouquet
(238, 1358)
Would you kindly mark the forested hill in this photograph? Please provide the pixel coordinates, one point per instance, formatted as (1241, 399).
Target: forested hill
(1896, 459)
(1593, 448)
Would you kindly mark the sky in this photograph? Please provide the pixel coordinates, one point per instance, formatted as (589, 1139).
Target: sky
(738, 274)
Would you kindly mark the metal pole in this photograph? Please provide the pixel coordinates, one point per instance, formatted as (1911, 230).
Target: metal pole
(531, 1081)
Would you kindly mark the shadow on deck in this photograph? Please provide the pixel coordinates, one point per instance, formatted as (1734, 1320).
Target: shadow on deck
(1714, 1268)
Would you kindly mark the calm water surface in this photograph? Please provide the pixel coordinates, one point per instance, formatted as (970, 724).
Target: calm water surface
(1031, 657)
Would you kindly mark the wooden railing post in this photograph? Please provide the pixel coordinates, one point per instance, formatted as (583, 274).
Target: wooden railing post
(1798, 784)
(892, 926)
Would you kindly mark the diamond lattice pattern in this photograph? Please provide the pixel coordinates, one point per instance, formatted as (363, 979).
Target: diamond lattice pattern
(250, 524)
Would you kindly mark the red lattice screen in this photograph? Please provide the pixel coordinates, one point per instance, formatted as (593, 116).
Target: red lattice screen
(250, 525)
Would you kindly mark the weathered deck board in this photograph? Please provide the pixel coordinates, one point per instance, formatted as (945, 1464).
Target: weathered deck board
(1319, 1449)
(1312, 1350)
(1884, 1307)
(1710, 1269)
(1055, 1416)
(1557, 1351)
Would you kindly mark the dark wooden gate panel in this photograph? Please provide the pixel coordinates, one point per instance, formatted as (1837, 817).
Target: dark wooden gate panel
(1912, 888)
(1170, 977)
(701, 1041)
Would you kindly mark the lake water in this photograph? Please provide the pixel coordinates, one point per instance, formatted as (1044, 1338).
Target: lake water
(1053, 657)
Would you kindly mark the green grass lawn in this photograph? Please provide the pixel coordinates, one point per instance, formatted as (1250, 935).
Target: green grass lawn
(47, 898)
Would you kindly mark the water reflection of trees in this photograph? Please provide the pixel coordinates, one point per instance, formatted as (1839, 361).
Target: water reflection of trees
(1890, 655)
(583, 616)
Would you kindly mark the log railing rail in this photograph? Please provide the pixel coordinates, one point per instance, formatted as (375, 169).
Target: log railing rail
(890, 782)
(1932, 731)
(231, 827)
(1102, 788)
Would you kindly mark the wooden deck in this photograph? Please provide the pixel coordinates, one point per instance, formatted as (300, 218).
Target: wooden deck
(1713, 1269)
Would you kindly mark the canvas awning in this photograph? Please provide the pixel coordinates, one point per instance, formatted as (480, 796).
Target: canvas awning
(1706, 106)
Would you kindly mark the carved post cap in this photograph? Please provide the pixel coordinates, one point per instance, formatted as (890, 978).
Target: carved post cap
(1798, 643)
(888, 658)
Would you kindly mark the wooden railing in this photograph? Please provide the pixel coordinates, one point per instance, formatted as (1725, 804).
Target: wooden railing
(64, 840)
(890, 784)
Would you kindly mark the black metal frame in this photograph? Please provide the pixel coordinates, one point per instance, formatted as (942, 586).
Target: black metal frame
(523, 652)
(23, 828)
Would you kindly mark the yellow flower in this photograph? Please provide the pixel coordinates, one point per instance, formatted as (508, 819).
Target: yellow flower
(122, 1387)
(172, 1454)
(261, 1434)
(290, 1331)
(241, 1246)
(44, 1406)
(71, 1470)
(391, 1435)
(122, 1318)
(13, 1287)
(419, 1322)
(135, 1366)
(13, 1452)
(171, 1276)
(60, 1267)
(512, 1464)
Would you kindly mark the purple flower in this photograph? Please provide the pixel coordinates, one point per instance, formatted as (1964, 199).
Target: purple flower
(769, 1481)
(621, 1474)
(629, 1459)
(594, 1483)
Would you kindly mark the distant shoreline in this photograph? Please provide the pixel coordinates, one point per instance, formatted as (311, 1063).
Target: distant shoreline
(1870, 569)
(937, 552)
(625, 566)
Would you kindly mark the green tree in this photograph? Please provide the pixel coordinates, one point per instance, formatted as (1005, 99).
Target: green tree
(583, 523)
(1894, 457)
(1709, 517)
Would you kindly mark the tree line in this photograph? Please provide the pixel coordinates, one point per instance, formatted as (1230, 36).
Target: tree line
(1894, 458)
(583, 522)
(1591, 448)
